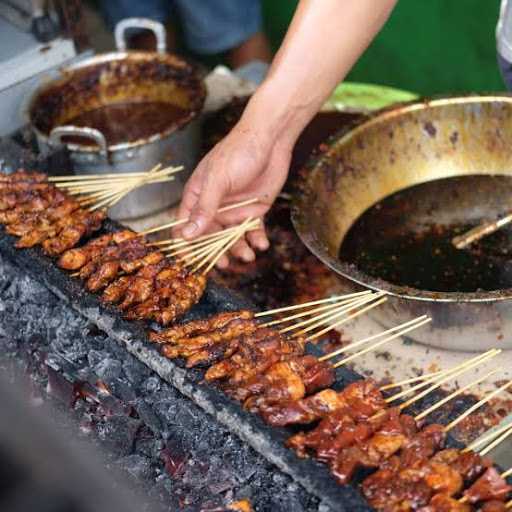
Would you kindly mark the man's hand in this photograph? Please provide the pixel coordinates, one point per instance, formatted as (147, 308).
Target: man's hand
(323, 42)
(247, 164)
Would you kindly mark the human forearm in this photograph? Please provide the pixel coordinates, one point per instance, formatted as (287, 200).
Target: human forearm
(324, 41)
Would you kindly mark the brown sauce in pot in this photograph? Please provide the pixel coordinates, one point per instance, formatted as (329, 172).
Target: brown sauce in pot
(383, 245)
(128, 122)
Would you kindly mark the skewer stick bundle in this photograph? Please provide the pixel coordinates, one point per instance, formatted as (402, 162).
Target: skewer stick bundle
(105, 190)
(179, 222)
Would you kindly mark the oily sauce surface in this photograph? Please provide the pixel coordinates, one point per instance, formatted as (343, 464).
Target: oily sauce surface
(422, 256)
(128, 122)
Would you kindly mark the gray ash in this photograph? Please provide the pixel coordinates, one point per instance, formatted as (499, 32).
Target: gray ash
(165, 445)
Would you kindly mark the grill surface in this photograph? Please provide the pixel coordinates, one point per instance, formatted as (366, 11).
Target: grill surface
(313, 476)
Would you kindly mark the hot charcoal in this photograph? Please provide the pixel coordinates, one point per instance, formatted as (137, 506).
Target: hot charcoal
(163, 442)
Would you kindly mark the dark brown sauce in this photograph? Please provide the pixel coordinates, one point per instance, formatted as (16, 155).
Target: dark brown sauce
(128, 122)
(424, 257)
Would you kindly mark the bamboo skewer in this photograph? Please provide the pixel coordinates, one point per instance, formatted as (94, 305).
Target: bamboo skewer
(412, 380)
(180, 242)
(454, 394)
(178, 222)
(339, 351)
(488, 437)
(314, 311)
(195, 245)
(376, 345)
(343, 320)
(474, 361)
(334, 298)
(196, 250)
(496, 442)
(234, 238)
(328, 316)
(477, 406)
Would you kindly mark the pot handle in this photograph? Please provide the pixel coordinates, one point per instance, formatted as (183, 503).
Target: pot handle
(157, 28)
(58, 133)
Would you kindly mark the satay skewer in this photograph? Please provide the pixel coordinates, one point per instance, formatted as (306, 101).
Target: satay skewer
(497, 441)
(479, 404)
(454, 394)
(84, 183)
(419, 322)
(334, 298)
(442, 381)
(353, 345)
(339, 323)
(232, 241)
(411, 380)
(329, 316)
(195, 251)
(176, 243)
(488, 437)
(179, 222)
(471, 362)
(319, 309)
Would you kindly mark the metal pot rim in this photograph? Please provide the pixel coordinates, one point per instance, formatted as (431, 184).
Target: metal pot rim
(350, 272)
(101, 59)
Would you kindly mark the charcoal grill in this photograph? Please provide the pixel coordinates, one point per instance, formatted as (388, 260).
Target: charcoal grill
(269, 442)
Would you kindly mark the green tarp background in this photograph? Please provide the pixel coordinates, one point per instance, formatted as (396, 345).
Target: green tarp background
(427, 46)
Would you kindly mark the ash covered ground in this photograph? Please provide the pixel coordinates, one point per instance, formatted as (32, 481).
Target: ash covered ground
(167, 448)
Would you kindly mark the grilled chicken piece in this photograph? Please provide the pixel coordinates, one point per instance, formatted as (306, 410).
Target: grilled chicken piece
(142, 285)
(116, 290)
(469, 464)
(104, 275)
(204, 326)
(210, 355)
(370, 453)
(305, 410)
(282, 381)
(74, 259)
(23, 175)
(23, 186)
(490, 486)
(257, 352)
(445, 503)
(71, 235)
(340, 429)
(41, 227)
(187, 346)
(37, 204)
(494, 506)
(185, 298)
(124, 235)
(313, 374)
(363, 396)
(132, 249)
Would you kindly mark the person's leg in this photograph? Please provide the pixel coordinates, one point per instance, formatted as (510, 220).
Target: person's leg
(219, 26)
(506, 71)
(256, 47)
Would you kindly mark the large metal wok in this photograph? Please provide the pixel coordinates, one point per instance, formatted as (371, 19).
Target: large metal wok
(393, 150)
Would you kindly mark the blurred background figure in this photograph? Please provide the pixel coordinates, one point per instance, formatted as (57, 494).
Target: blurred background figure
(232, 28)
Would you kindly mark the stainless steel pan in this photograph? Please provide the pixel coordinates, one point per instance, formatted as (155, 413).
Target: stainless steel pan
(395, 149)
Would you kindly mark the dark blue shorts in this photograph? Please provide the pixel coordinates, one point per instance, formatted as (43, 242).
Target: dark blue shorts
(506, 71)
(210, 26)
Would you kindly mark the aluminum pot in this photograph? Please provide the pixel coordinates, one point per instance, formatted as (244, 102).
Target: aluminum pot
(125, 77)
(395, 149)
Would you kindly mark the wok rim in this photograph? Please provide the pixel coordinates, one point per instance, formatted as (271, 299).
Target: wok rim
(350, 271)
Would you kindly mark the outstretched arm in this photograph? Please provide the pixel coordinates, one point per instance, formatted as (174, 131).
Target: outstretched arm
(323, 42)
